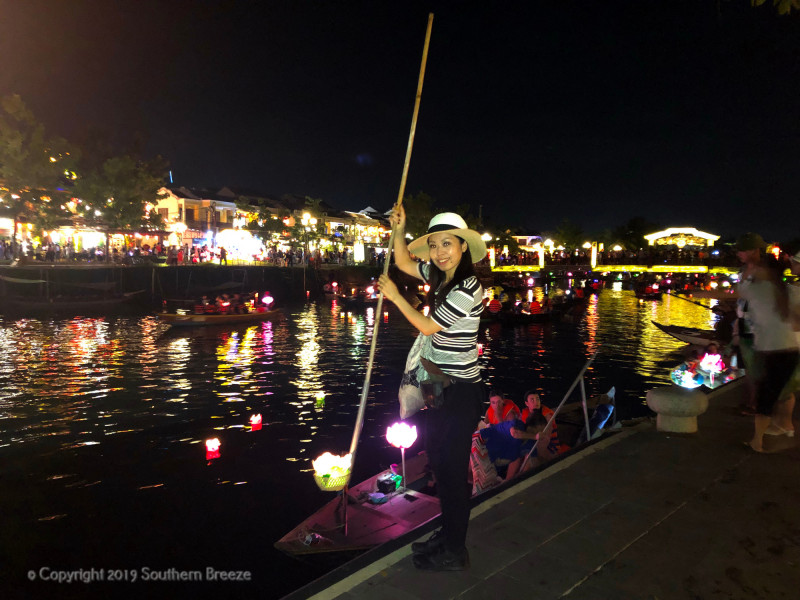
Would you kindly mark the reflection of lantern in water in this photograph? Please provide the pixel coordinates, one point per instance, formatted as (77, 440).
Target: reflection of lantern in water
(332, 472)
(255, 423)
(402, 435)
(212, 448)
(480, 349)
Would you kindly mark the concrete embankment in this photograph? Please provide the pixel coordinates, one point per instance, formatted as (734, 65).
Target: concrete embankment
(640, 514)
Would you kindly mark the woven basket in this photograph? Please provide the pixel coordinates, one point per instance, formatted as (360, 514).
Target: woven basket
(331, 484)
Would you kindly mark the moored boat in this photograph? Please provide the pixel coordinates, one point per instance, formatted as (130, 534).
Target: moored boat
(689, 335)
(378, 509)
(206, 319)
(648, 291)
(36, 297)
(512, 318)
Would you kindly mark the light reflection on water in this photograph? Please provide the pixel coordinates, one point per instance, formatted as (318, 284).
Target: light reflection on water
(79, 380)
(127, 404)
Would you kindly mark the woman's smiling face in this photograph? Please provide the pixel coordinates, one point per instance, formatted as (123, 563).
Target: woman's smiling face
(446, 251)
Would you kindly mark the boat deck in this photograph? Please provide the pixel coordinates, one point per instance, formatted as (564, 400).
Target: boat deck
(639, 514)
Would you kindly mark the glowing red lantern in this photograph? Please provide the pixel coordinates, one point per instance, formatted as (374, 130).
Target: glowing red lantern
(255, 423)
(212, 448)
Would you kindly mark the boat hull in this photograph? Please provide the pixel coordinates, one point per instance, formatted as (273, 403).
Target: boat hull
(18, 307)
(205, 320)
(368, 524)
(689, 335)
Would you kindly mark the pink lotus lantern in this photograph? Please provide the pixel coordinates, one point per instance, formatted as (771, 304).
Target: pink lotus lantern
(255, 423)
(212, 448)
(713, 364)
(402, 435)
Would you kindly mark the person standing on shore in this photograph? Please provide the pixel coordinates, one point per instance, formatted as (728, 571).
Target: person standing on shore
(455, 298)
(770, 305)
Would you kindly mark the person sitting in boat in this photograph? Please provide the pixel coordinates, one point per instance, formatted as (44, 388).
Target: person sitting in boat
(503, 446)
(237, 304)
(500, 409)
(533, 406)
(535, 308)
(223, 303)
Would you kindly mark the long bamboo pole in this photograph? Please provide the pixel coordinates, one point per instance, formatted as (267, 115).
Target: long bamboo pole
(379, 308)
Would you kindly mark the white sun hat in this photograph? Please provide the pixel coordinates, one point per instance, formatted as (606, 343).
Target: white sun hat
(451, 223)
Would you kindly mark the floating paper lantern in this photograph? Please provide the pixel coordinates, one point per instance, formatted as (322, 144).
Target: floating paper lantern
(212, 448)
(255, 423)
(320, 400)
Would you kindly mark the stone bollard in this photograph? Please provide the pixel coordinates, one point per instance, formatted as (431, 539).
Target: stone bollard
(677, 408)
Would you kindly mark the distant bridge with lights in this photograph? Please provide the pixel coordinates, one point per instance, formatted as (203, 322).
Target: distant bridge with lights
(558, 270)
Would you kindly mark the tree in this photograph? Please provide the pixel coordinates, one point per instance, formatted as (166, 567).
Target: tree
(419, 212)
(570, 235)
(784, 7)
(35, 171)
(631, 234)
(314, 206)
(505, 239)
(121, 195)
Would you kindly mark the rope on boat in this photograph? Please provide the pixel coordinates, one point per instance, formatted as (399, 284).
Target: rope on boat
(378, 310)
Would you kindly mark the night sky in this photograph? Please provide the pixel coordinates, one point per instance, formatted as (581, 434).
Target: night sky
(686, 113)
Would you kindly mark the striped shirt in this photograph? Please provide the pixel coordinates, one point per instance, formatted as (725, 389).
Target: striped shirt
(454, 349)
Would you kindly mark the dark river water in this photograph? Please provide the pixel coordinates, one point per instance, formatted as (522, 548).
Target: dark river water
(103, 424)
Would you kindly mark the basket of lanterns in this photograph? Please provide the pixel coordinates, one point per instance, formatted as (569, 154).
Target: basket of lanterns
(332, 472)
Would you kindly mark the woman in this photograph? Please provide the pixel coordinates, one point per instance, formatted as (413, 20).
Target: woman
(770, 305)
(455, 301)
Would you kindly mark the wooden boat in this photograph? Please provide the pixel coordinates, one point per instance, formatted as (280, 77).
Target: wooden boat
(206, 319)
(363, 523)
(368, 524)
(510, 318)
(689, 335)
(648, 291)
(35, 297)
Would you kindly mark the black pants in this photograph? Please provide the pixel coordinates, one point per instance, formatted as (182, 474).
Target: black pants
(777, 369)
(449, 441)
